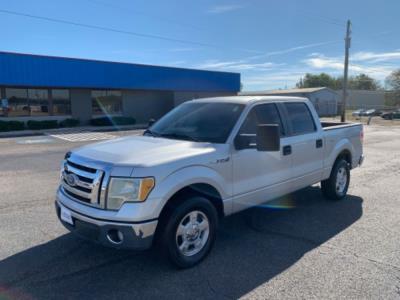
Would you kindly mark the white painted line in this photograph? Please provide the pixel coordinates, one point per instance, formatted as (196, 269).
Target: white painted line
(80, 135)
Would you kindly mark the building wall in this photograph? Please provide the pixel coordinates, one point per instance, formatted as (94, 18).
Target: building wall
(324, 101)
(81, 104)
(180, 97)
(364, 99)
(145, 105)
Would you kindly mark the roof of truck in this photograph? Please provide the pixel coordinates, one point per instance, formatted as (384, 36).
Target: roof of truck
(286, 92)
(250, 99)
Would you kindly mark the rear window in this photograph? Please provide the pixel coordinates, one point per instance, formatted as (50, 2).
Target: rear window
(300, 118)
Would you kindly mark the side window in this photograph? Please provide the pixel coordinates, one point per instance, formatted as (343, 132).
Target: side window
(300, 118)
(249, 125)
(260, 114)
(268, 114)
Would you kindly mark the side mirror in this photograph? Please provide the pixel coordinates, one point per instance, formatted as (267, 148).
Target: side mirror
(151, 122)
(268, 137)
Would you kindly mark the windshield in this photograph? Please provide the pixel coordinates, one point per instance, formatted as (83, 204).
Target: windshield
(198, 121)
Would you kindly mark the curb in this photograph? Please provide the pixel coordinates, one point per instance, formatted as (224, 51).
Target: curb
(24, 133)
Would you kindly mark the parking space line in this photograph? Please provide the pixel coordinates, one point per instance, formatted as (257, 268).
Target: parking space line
(80, 135)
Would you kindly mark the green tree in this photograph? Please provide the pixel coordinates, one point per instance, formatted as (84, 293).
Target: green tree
(363, 82)
(358, 82)
(393, 83)
(317, 80)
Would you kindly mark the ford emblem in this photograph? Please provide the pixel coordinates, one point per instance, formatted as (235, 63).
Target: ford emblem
(71, 179)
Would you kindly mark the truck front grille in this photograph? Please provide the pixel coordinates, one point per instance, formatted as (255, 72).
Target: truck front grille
(82, 183)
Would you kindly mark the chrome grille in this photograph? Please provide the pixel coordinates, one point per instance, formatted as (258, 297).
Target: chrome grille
(82, 183)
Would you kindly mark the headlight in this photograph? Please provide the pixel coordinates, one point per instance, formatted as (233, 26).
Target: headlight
(123, 190)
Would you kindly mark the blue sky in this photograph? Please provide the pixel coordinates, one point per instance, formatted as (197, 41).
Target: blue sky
(271, 43)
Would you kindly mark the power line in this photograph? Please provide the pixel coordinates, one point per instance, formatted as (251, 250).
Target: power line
(325, 19)
(138, 12)
(138, 34)
(151, 36)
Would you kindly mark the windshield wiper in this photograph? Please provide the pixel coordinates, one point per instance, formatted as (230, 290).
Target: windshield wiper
(149, 132)
(179, 136)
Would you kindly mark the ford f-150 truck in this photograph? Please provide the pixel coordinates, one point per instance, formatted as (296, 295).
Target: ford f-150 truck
(205, 159)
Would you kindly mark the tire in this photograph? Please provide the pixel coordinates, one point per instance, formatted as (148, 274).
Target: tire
(336, 186)
(185, 245)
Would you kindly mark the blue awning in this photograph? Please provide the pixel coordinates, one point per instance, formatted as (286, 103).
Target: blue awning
(46, 71)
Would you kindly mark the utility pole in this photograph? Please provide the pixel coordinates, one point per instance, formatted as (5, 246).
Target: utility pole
(346, 70)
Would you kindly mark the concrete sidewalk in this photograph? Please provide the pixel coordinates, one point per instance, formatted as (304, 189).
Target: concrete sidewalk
(22, 133)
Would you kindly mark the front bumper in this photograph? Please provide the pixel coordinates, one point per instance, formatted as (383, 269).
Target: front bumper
(110, 233)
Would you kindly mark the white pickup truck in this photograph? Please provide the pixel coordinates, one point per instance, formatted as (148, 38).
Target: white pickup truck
(205, 159)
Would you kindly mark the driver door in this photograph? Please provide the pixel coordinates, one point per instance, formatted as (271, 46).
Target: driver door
(260, 176)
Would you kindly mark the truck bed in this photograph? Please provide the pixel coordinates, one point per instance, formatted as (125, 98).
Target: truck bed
(335, 133)
(337, 125)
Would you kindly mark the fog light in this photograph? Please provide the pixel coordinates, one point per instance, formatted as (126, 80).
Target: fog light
(115, 236)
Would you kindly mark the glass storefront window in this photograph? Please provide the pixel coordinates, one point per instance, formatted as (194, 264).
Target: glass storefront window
(18, 104)
(105, 102)
(38, 100)
(61, 102)
(3, 103)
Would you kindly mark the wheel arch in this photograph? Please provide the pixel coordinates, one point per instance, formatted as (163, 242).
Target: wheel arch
(205, 190)
(346, 155)
(202, 189)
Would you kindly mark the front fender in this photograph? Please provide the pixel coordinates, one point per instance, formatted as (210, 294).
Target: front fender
(186, 176)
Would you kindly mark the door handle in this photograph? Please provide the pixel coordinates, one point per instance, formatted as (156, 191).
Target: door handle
(287, 150)
(318, 143)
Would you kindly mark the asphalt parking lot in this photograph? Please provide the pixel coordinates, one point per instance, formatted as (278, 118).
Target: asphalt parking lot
(302, 247)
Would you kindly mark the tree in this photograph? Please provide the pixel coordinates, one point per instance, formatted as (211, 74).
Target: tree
(363, 82)
(358, 82)
(317, 80)
(393, 82)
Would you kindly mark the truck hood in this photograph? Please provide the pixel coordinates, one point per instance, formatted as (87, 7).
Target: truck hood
(143, 151)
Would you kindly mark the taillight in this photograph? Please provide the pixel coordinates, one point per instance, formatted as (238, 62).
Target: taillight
(362, 135)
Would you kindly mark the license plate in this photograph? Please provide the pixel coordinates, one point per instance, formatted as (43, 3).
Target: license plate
(66, 216)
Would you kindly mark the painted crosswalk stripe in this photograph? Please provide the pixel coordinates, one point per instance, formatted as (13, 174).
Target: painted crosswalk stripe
(77, 135)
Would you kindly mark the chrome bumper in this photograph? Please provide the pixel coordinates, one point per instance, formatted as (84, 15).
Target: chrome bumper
(121, 235)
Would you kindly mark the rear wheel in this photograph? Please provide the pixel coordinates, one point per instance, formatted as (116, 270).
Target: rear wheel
(336, 186)
(190, 231)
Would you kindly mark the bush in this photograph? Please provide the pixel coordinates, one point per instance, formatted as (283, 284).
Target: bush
(70, 122)
(11, 125)
(106, 121)
(46, 124)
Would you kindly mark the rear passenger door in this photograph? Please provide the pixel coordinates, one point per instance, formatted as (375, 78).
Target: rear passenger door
(305, 145)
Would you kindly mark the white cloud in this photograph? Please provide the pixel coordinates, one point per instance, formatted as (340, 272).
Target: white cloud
(376, 57)
(176, 63)
(274, 79)
(257, 74)
(292, 49)
(335, 65)
(239, 65)
(322, 62)
(220, 9)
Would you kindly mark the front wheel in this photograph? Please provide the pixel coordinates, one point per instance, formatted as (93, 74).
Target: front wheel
(336, 186)
(190, 231)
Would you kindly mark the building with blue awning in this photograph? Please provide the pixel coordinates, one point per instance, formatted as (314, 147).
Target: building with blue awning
(45, 87)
